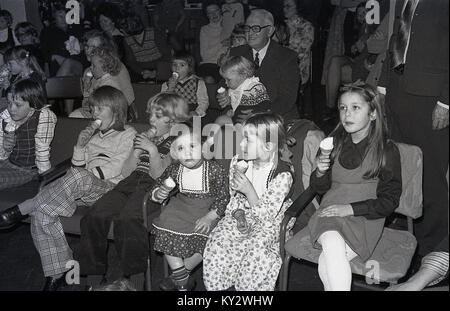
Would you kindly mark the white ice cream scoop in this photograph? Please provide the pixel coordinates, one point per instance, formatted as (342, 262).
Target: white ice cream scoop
(221, 90)
(242, 166)
(175, 75)
(326, 145)
(169, 183)
(97, 123)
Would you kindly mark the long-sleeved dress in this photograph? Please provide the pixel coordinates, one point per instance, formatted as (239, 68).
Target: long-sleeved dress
(250, 261)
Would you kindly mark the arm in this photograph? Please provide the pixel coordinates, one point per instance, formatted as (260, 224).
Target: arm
(130, 59)
(202, 98)
(272, 199)
(203, 43)
(172, 171)
(219, 190)
(3, 154)
(389, 189)
(43, 138)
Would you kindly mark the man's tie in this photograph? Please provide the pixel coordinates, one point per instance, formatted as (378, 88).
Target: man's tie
(401, 42)
(256, 60)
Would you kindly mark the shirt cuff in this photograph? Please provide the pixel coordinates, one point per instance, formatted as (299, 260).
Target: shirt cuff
(78, 156)
(436, 262)
(442, 105)
(359, 208)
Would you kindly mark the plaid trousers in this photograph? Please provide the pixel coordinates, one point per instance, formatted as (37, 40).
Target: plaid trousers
(12, 175)
(57, 199)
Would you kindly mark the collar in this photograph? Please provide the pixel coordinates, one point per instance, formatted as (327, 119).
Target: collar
(262, 52)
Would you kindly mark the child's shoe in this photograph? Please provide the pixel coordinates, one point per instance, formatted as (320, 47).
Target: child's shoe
(168, 284)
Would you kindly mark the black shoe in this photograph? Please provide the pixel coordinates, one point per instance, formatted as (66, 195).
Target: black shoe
(10, 217)
(168, 284)
(53, 284)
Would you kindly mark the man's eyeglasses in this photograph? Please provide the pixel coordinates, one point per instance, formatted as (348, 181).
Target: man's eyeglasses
(254, 28)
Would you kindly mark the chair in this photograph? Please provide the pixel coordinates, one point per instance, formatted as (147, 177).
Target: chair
(64, 88)
(142, 93)
(393, 253)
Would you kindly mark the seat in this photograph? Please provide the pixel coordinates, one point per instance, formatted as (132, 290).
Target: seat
(395, 249)
(64, 88)
(142, 93)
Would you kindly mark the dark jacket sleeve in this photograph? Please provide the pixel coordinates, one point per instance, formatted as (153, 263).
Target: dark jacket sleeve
(389, 188)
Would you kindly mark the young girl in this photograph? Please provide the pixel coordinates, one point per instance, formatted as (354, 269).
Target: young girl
(185, 83)
(238, 38)
(185, 223)
(98, 158)
(361, 183)
(243, 250)
(24, 65)
(28, 37)
(248, 95)
(123, 204)
(27, 115)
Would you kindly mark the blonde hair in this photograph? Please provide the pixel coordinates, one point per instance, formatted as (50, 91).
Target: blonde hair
(170, 105)
(241, 65)
(113, 98)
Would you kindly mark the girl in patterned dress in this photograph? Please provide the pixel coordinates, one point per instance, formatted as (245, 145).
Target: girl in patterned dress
(243, 250)
(248, 95)
(361, 185)
(185, 223)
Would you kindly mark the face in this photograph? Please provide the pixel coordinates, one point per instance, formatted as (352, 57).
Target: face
(90, 45)
(214, 14)
(355, 114)
(15, 66)
(18, 108)
(3, 23)
(232, 78)
(258, 40)
(180, 66)
(106, 24)
(96, 65)
(188, 150)
(289, 8)
(253, 146)
(60, 19)
(25, 37)
(105, 114)
(159, 122)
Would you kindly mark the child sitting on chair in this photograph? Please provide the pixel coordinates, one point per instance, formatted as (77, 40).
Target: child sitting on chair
(243, 250)
(185, 83)
(185, 223)
(27, 116)
(361, 185)
(247, 94)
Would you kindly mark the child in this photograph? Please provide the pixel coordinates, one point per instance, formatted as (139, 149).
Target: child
(248, 95)
(238, 38)
(123, 204)
(233, 14)
(98, 158)
(185, 83)
(6, 34)
(184, 224)
(244, 251)
(24, 65)
(28, 37)
(361, 183)
(27, 115)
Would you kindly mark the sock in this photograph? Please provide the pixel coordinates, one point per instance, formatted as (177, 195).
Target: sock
(180, 276)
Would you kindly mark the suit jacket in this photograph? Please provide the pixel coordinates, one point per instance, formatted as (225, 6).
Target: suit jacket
(280, 75)
(426, 67)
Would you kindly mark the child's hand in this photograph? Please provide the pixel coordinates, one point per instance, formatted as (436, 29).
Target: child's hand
(241, 183)
(84, 136)
(223, 99)
(242, 225)
(203, 225)
(141, 141)
(148, 74)
(323, 163)
(337, 210)
(161, 194)
(171, 83)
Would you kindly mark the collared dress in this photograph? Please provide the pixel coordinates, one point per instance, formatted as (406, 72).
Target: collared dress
(200, 190)
(250, 261)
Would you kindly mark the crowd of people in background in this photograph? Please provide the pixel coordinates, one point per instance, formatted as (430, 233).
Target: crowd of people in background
(382, 83)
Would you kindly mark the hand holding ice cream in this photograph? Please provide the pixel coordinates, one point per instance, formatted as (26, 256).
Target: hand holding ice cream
(164, 190)
(323, 160)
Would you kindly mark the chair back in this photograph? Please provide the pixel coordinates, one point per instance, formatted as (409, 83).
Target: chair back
(142, 93)
(64, 88)
(412, 171)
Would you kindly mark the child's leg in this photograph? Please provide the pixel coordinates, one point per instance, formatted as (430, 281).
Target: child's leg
(337, 264)
(13, 176)
(179, 274)
(193, 261)
(323, 273)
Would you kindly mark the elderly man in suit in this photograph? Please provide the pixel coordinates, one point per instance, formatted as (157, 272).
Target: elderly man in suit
(276, 65)
(417, 103)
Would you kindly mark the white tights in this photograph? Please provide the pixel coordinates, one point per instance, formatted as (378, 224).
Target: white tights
(334, 262)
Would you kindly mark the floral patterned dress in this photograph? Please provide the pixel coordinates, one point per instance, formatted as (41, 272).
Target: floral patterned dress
(301, 37)
(199, 191)
(250, 261)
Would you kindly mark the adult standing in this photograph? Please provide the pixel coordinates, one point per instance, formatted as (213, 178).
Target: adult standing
(417, 95)
(277, 66)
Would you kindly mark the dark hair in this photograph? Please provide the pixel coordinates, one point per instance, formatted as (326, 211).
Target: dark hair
(133, 25)
(187, 57)
(378, 131)
(18, 53)
(109, 10)
(30, 91)
(207, 3)
(270, 121)
(113, 98)
(7, 15)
